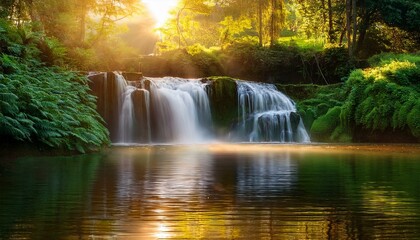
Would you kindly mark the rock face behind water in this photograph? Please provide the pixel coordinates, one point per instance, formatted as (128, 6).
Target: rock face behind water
(140, 99)
(103, 86)
(180, 110)
(223, 95)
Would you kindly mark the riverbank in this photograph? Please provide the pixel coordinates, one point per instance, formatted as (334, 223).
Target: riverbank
(12, 151)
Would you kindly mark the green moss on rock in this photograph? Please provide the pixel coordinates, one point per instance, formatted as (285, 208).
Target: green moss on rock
(224, 102)
(377, 104)
(323, 127)
(413, 121)
(327, 128)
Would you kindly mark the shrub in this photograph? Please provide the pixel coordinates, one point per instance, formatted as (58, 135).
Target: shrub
(324, 126)
(383, 99)
(45, 105)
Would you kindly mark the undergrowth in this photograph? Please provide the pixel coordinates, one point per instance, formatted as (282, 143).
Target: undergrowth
(383, 98)
(44, 105)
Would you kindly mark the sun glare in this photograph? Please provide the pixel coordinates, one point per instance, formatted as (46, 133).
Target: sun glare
(160, 9)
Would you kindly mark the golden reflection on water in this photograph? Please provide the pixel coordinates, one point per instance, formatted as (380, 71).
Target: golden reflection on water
(220, 191)
(188, 202)
(318, 148)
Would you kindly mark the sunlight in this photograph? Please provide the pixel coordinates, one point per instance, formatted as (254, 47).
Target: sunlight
(160, 10)
(162, 232)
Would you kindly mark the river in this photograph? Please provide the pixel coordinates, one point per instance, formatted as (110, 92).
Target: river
(215, 191)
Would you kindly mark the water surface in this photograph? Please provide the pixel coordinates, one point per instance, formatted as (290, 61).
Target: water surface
(217, 191)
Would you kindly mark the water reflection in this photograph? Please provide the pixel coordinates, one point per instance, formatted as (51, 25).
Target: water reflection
(265, 175)
(217, 191)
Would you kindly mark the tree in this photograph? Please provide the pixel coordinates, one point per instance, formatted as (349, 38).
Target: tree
(276, 20)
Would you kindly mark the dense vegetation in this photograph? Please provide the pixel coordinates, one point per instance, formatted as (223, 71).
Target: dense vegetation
(281, 63)
(380, 103)
(355, 24)
(45, 105)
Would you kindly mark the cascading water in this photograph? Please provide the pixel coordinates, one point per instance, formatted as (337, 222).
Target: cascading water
(126, 110)
(176, 110)
(162, 110)
(267, 115)
(182, 109)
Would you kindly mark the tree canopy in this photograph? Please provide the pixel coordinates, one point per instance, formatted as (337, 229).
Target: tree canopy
(392, 25)
(91, 34)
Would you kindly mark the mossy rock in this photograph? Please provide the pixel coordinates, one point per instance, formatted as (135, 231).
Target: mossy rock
(328, 128)
(413, 121)
(223, 101)
(308, 117)
(341, 134)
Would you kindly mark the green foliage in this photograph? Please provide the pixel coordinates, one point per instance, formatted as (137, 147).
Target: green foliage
(251, 61)
(46, 105)
(194, 61)
(336, 63)
(386, 58)
(413, 120)
(328, 128)
(384, 97)
(205, 61)
(50, 106)
(323, 127)
(381, 99)
(401, 13)
(279, 63)
(325, 98)
(233, 30)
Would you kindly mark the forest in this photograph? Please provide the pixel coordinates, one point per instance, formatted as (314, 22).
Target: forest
(358, 58)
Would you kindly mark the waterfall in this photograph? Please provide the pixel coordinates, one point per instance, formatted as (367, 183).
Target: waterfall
(177, 110)
(267, 115)
(162, 110)
(182, 109)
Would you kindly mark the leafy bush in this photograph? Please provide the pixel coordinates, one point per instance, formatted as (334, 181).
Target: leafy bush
(336, 64)
(328, 128)
(326, 97)
(324, 126)
(41, 104)
(382, 99)
(50, 106)
(386, 58)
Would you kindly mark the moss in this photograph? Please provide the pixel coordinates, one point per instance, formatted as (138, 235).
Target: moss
(298, 92)
(413, 121)
(324, 126)
(383, 98)
(325, 97)
(341, 134)
(386, 58)
(224, 101)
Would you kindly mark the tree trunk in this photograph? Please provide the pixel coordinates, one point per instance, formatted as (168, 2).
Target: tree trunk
(178, 26)
(354, 20)
(364, 25)
(324, 16)
(260, 23)
(273, 22)
(342, 34)
(348, 25)
(82, 23)
(331, 35)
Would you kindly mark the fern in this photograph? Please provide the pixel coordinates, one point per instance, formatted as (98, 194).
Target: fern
(46, 105)
(383, 98)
